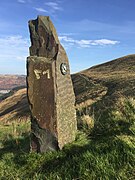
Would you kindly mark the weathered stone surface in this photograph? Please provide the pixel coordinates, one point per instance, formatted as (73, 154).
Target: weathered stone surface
(44, 38)
(50, 91)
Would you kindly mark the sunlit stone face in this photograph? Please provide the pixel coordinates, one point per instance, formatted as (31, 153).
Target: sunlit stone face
(50, 90)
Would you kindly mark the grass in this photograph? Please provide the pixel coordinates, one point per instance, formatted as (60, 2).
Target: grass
(105, 80)
(104, 152)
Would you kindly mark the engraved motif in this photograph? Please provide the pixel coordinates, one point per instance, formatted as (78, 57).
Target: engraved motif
(63, 68)
(47, 72)
(38, 73)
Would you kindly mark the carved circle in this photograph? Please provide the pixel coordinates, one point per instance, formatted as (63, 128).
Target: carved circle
(63, 68)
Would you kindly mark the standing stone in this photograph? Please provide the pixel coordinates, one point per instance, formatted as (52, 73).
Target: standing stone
(50, 90)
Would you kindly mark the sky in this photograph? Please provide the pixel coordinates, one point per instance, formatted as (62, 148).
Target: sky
(91, 31)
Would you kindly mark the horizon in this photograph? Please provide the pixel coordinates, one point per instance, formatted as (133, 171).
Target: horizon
(92, 33)
(75, 72)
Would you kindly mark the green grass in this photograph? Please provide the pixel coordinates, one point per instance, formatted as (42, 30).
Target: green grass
(107, 152)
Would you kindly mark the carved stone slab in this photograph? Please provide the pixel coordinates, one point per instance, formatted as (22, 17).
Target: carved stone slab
(50, 90)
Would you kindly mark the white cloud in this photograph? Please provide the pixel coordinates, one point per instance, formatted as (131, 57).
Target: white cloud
(66, 39)
(67, 34)
(53, 5)
(41, 10)
(105, 42)
(21, 1)
(87, 43)
(13, 48)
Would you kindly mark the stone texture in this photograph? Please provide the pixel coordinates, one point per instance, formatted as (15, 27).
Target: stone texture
(50, 93)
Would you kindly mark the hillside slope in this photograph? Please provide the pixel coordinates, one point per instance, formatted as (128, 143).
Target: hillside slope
(102, 85)
(15, 106)
(110, 80)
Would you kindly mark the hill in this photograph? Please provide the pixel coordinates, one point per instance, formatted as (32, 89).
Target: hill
(8, 82)
(105, 143)
(102, 84)
(14, 106)
(109, 80)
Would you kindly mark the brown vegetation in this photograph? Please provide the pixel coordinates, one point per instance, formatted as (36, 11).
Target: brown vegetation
(106, 81)
(8, 82)
(15, 106)
(102, 85)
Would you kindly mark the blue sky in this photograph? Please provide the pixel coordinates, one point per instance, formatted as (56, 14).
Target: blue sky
(91, 31)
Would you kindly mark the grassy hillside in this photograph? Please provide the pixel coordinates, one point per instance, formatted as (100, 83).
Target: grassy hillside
(101, 92)
(14, 106)
(105, 143)
(93, 156)
(100, 85)
(110, 79)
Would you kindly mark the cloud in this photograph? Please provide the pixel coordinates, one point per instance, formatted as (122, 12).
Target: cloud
(21, 1)
(87, 43)
(54, 6)
(41, 10)
(99, 42)
(67, 34)
(13, 48)
(51, 8)
(104, 42)
(66, 39)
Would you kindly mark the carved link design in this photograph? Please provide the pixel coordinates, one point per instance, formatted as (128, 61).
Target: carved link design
(38, 73)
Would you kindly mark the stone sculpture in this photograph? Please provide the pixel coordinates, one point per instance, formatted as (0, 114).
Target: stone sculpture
(50, 90)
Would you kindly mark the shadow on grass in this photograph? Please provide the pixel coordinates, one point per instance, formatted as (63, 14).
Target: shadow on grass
(74, 160)
(77, 160)
(100, 154)
(16, 145)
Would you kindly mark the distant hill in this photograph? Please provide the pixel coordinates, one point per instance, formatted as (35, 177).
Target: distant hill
(100, 86)
(8, 82)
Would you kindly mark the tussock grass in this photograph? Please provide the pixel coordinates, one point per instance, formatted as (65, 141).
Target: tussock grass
(105, 152)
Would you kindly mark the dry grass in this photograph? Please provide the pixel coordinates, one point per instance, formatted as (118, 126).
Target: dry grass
(104, 84)
(106, 152)
(105, 102)
(15, 106)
